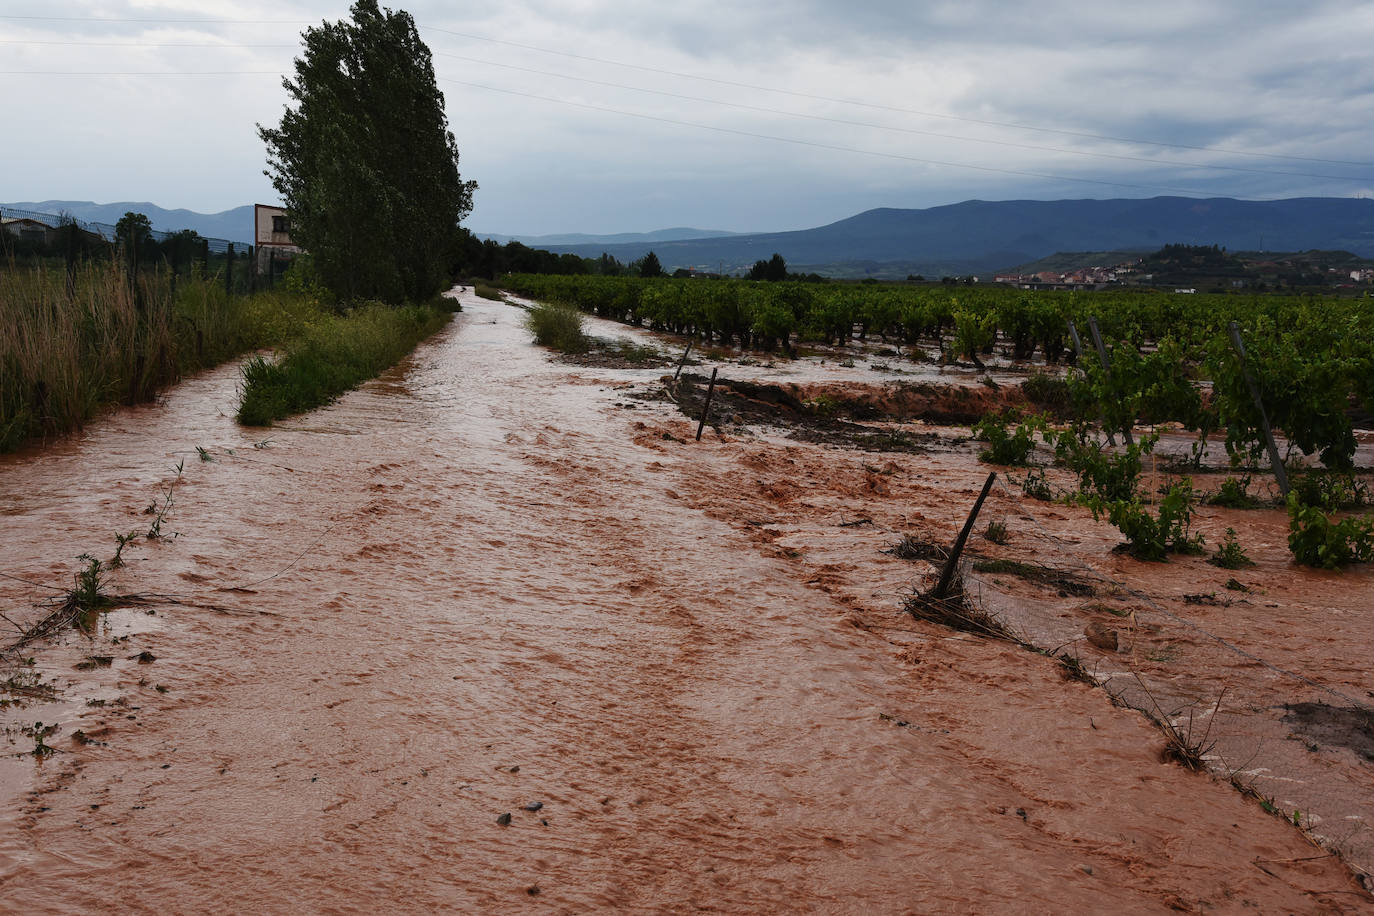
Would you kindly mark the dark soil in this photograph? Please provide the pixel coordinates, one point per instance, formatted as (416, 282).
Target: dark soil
(821, 418)
(1350, 727)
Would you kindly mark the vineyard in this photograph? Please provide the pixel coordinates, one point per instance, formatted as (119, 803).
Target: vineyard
(1197, 362)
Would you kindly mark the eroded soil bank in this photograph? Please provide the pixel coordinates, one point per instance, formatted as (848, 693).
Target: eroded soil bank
(492, 584)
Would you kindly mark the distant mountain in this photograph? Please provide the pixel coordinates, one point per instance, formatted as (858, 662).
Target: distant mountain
(619, 238)
(985, 236)
(236, 225)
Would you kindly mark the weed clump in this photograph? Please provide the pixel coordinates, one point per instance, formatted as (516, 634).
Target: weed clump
(1048, 392)
(1233, 494)
(558, 327)
(1230, 555)
(957, 610)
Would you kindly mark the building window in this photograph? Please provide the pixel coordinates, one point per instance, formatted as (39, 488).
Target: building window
(281, 224)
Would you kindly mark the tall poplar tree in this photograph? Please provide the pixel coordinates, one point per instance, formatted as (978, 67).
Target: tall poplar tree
(365, 162)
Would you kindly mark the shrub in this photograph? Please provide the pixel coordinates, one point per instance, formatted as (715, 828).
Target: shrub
(1315, 540)
(1233, 494)
(1005, 446)
(1155, 537)
(1330, 490)
(558, 327)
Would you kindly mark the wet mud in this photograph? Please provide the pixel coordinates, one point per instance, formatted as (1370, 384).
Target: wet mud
(494, 632)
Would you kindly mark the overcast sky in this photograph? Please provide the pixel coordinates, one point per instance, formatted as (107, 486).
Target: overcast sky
(617, 116)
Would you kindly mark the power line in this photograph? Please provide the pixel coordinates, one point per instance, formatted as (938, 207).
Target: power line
(905, 130)
(137, 44)
(828, 146)
(759, 88)
(926, 114)
(737, 105)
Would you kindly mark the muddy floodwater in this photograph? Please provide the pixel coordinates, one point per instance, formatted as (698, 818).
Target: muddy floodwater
(494, 633)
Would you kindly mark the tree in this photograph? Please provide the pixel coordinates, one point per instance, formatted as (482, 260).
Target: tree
(134, 234)
(365, 162)
(650, 267)
(775, 268)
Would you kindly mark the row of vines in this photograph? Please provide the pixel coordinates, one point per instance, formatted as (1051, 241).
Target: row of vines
(1171, 358)
(1171, 361)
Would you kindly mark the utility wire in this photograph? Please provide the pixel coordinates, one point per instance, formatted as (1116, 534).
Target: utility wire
(736, 105)
(760, 88)
(842, 149)
(905, 130)
(732, 83)
(926, 114)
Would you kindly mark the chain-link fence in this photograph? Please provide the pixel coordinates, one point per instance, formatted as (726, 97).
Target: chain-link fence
(53, 221)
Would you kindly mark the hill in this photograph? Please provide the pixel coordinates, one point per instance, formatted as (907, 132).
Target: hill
(619, 238)
(985, 236)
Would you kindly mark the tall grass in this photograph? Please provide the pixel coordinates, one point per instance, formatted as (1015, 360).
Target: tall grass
(558, 326)
(69, 350)
(330, 354)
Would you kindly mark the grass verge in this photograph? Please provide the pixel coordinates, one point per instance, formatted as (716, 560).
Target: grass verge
(331, 354)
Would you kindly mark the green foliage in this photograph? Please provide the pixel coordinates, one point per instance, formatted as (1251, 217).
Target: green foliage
(332, 354)
(134, 236)
(1102, 474)
(1315, 540)
(1330, 490)
(1154, 537)
(558, 327)
(973, 331)
(650, 266)
(1036, 486)
(1005, 445)
(773, 270)
(69, 352)
(1230, 555)
(1233, 494)
(365, 162)
(1312, 358)
(88, 592)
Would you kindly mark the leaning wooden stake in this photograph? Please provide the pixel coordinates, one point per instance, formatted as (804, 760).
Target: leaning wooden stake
(706, 409)
(1107, 365)
(1078, 349)
(1279, 473)
(952, 562)
(683, 361)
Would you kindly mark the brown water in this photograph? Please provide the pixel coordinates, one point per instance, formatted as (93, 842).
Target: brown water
(479, 584)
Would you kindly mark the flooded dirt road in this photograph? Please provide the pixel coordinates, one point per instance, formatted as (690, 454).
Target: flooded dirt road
(480, 637)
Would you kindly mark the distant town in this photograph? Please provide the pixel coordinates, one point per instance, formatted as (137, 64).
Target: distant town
(1199, 268)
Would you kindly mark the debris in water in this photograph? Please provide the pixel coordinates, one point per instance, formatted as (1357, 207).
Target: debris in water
(504, 820)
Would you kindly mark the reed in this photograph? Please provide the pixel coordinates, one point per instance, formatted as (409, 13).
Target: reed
(70, 347)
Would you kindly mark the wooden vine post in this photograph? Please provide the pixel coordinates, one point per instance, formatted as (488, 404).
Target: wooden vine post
(1078, 349)
(952, 561)
(706, 408)
(1279, 473)
(1106, 358)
